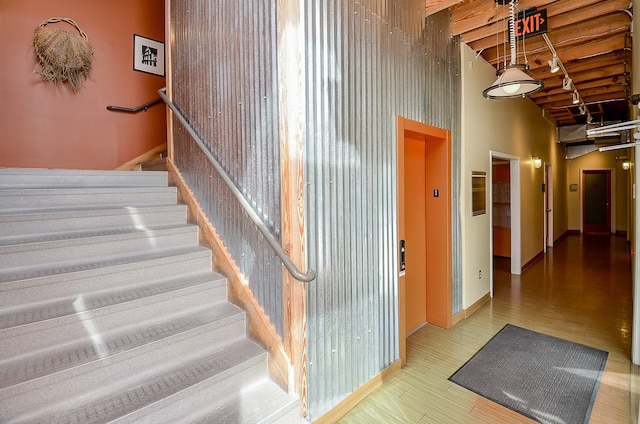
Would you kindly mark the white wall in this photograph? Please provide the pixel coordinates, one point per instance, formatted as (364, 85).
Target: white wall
(515, 127)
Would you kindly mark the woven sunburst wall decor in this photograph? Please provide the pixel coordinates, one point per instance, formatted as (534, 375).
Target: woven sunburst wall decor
(64, 56)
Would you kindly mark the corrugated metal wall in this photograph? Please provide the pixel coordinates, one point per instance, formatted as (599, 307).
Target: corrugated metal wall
(224, 81)
(367, 62)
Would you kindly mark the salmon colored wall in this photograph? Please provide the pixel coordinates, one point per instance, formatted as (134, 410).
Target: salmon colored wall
(48, 126)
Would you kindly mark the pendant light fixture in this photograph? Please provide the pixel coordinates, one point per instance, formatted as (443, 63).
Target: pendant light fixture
(513, 79)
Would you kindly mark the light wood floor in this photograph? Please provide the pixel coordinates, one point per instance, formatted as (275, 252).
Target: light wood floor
(580, 291)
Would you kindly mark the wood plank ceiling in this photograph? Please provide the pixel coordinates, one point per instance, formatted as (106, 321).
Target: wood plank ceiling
(592, 39)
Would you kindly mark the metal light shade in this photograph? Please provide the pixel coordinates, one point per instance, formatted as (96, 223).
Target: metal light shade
(513, 82)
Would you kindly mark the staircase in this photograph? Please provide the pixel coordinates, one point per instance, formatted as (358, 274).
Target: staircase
(110, 312)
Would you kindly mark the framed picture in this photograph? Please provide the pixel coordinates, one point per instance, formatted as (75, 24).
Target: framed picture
(148, 55)
(478, 193)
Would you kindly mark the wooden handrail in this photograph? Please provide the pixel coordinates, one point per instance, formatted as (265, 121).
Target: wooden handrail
(135, 109)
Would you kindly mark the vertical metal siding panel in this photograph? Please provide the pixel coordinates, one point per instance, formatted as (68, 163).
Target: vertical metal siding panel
(367, 61)
(225, 83)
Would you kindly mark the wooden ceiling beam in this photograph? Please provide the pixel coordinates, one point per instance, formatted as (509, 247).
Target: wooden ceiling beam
(554, 87)
(616, 71)
(606, 77)
(615, 92)
(474, 14)
(579, 32)
(567, 99)
(560, 14)
(565, 113)
(435, 6)
(614, 43)
(618, 96)
(578, 66)
(539, 57)
(592, 102)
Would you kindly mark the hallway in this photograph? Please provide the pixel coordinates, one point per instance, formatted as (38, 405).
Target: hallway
(580, 291)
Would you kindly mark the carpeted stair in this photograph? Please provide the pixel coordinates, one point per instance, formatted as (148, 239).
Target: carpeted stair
(110, 312)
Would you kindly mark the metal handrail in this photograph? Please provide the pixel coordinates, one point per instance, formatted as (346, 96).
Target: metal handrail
(135, 109)
(262, 227)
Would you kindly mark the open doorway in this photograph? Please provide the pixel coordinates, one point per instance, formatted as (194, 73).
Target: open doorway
(501, 209)
(505, 239)
(424, 227)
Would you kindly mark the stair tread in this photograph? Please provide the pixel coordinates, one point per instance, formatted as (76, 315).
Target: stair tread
(70, 255)
(94, 264)
(262, 402)
(47, 213)
(55, 191)
(97, 232)
(255, 401)
(57, 305)
(76, 354)
(106, 402)
(53, 199)
(25, 177)
(41, 335)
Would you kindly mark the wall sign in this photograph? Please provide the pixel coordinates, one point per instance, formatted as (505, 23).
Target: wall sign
(529, 23)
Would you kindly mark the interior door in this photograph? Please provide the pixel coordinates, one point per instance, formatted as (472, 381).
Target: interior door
(596, 201)
(415, 238)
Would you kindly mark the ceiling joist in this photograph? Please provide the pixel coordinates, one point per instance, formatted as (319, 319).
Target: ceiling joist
(591, 37)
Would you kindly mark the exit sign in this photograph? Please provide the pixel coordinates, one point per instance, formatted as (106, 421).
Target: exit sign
(529, 23)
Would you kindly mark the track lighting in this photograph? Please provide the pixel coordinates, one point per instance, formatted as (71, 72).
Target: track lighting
(553, 65)
(566, 83)
(583, 109)
(576, 98)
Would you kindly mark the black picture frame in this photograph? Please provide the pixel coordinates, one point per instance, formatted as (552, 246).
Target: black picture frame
(148, 55)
